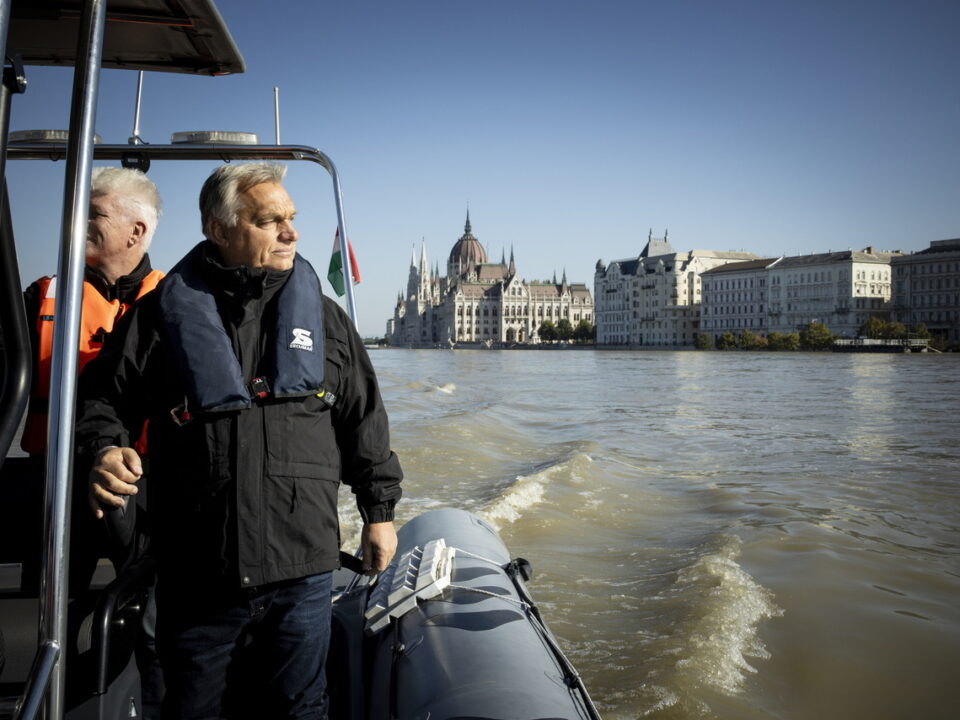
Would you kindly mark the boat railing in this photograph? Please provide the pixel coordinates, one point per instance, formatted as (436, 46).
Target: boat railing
(141, 155)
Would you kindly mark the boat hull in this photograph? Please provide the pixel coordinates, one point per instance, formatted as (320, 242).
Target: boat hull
(479, 649)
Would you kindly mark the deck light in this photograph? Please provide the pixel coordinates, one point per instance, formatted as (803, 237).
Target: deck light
(214, 137)
(52, 137)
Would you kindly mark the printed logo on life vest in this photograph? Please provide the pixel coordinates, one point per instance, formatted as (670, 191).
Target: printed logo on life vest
(302, 340)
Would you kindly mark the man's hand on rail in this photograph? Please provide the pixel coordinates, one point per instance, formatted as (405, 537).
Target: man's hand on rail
(112, 478)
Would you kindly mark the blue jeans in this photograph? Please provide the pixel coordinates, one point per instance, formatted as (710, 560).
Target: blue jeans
(256, 652)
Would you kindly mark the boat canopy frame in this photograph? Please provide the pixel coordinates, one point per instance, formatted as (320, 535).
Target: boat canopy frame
(211, 52)
(143, 154)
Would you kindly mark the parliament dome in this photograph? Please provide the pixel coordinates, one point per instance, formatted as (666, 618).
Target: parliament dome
(467, 251)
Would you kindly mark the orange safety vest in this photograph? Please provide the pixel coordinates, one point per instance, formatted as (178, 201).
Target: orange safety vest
(97, 319)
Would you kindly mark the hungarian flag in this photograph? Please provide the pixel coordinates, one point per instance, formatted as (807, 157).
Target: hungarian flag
(335, 271)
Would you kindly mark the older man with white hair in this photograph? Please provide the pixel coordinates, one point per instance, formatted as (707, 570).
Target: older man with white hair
(124, 211)
(123, 215)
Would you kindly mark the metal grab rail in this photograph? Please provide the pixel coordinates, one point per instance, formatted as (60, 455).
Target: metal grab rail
(38, 681)
(131, 154)
(66, 338)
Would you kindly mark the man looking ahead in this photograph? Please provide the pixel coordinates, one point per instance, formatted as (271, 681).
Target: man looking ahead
(261, 398)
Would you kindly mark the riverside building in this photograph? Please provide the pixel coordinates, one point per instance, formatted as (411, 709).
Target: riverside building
(734, 297)
(926, 289)
(839, 289)
(654, 299)
(479, 301)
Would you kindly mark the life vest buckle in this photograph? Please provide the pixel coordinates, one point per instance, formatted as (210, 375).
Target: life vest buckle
(328, 398)
(259, 388)
(181, 415)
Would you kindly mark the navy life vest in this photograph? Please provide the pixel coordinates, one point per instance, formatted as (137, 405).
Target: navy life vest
(204, 353)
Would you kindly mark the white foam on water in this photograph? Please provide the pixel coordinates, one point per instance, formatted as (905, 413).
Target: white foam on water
(351, 524)
(523, 494)
(664, 699)
(528, 490)
(720, 632)
(427, 386)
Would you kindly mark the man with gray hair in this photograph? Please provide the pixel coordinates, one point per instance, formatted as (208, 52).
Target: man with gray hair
(260, 399)
(123, 215)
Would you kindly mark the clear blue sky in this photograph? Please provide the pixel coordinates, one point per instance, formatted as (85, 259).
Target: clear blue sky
(570, 128)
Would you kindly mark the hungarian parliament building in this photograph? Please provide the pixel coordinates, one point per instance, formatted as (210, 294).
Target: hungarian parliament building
(479, 302)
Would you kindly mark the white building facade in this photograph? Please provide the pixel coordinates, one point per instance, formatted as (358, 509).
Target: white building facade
(734, 297)
(839, 289)
(654, 299)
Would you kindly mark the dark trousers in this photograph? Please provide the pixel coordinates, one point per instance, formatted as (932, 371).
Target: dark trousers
(148, 662)
(246, 653)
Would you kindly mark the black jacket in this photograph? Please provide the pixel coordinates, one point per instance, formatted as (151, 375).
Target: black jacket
(244, 497)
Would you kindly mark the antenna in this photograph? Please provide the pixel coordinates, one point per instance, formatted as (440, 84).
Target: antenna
(134, 160)
(135, 138)
(276, 114)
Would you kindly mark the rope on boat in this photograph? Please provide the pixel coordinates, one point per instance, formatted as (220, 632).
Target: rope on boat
(520, 603)
(461, 551)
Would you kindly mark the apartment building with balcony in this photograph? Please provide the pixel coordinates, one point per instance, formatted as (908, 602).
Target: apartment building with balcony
(839, 289)
(653, 300)
(734, 297)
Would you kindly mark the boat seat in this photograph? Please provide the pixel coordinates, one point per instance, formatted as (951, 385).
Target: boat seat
(102, 628)
(103, 615)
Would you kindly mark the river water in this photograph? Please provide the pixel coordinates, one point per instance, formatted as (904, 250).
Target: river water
(713, 535)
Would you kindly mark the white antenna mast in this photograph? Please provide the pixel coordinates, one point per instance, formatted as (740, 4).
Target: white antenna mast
(276, 114)
(135, 138)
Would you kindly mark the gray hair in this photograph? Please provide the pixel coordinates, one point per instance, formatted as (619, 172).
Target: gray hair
(135, 193)
(220, 195)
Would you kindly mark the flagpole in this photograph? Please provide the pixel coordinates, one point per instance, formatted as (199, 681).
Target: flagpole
(345, 265)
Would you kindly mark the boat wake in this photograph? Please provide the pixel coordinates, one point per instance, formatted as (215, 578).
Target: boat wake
(716, 608)
(446, 388)
(527, 491)
(427, 386)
